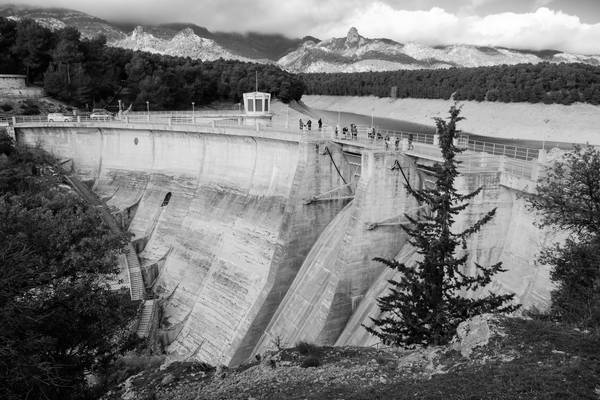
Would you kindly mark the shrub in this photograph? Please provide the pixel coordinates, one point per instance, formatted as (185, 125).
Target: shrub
(567, 200)
(310, 361)
(6, 107)
(306, 348)
(29, 108)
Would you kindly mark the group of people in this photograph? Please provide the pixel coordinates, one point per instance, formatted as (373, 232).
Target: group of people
(373, 135)
(308, 124)
(352, 134)
(396, 140)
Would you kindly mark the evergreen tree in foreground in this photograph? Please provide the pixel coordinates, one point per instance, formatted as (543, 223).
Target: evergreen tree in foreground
(426, 305)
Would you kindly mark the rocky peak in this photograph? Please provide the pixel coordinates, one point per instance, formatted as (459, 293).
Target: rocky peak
(353, 38)
(138, 31)
(186, 33)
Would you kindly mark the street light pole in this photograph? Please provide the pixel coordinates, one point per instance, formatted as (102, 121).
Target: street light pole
(193, 113)
(148, 110)
(372, 109)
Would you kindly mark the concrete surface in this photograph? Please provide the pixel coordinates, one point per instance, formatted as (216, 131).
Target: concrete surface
(245, 260)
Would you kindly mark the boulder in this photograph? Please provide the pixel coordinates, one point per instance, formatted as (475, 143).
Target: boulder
(474, 332)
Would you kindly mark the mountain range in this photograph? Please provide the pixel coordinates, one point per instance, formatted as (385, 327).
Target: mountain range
(353, 53)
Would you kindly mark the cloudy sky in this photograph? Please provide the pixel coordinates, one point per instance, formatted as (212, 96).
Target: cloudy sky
(568, 25)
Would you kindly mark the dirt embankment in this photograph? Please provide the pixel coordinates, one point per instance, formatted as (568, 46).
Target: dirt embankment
(577, 123)
(10, 106)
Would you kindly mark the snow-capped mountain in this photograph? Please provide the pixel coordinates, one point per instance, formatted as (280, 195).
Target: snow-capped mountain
(355, 53)
(183, 44)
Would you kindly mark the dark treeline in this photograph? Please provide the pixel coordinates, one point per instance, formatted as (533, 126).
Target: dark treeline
(88, 72)
(547, 83)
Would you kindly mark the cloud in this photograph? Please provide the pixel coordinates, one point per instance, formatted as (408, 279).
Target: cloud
(542, 3)
(472, 6)
(542, 28)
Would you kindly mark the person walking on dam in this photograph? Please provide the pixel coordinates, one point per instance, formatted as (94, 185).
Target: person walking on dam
(301, 124)
(308, 124)
(320, 123)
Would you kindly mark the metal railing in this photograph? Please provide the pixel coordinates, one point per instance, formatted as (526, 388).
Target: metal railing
(220, 120)
(520, 153)
(232, 126)
(498, 149)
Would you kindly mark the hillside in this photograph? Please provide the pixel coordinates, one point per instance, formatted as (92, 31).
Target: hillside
(185, 43)
(497, 359)
(181, 39)
(58, 18)
(353, 53)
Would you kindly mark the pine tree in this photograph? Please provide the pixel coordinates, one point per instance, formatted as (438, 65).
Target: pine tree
(426, 305)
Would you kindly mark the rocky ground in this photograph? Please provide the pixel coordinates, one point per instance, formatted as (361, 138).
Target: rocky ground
(489, 359)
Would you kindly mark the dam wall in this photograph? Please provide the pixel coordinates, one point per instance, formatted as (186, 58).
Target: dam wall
(222, 217)
(335, 291)
(511, 237)
(251, 241)
(339, 270)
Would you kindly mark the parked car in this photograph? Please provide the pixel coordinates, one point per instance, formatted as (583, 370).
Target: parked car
(100, 114)
(59, 117)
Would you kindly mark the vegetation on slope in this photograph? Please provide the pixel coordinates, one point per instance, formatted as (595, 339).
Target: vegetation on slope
(568, 199)
(88, 72)
(533, 83)
(60, 319)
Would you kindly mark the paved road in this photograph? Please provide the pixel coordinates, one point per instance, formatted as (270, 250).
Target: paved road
(331, 117)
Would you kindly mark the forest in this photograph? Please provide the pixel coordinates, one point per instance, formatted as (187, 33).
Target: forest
(88, 73)
(534, 83)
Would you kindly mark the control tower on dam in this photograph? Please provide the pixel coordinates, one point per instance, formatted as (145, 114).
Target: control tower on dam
(251, 235)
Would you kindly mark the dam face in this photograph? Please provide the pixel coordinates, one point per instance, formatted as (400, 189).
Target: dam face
(251, 241)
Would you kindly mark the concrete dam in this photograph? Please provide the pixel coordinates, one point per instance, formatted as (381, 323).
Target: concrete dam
(252, 237)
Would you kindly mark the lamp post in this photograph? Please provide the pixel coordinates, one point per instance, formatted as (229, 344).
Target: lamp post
(545, 135)
(148, 110)
(287, 117)
(120, 105)
(193, 112)
(372, 109)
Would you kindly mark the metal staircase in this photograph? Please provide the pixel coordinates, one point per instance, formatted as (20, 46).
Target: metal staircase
(143, 330)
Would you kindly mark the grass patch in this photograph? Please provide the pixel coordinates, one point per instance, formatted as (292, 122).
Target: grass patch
(554, 362)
